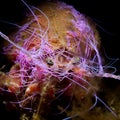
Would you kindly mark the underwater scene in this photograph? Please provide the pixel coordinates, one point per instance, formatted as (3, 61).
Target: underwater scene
(59, 60)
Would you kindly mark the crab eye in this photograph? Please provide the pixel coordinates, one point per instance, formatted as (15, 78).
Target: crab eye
(75, 60)
(49, 62)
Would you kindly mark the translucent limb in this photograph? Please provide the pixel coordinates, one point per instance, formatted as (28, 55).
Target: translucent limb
(109, 75)
(32, 14)
(17, 46)
(106, 106)
(46, 19)
(77, 83)
(66, 106)
(96, 100)
(69, 118)
(61, 92)
(98, 56)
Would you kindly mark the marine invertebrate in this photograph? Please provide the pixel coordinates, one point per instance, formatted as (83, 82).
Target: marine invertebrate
(56, 55)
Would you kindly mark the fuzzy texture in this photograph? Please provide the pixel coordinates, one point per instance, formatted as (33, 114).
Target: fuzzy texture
(56, 58)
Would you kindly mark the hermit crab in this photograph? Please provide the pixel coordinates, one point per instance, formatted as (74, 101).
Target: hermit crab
(57, 64)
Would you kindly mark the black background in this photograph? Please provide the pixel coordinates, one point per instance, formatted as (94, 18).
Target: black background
(104, 14)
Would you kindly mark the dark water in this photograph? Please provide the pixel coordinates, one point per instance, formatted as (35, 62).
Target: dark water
(106, 16)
